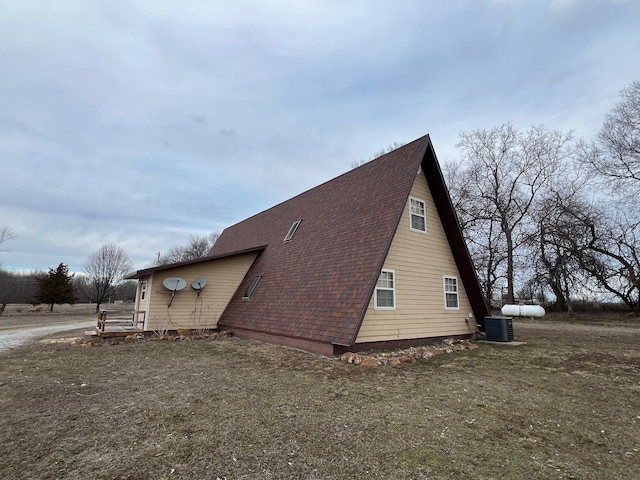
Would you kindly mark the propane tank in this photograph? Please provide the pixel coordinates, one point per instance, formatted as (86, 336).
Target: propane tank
(534, 311)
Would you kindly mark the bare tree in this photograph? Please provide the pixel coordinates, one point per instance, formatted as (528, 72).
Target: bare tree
(7, 293)
(18, 287)
(612, 254)
(615, 155)
(379, 153)
(6, 234)
(198, 247)
(104, 270)
(481, 229)
(506, 171)
(559, 244)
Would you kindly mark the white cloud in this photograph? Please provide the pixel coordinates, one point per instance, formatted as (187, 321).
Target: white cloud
(141, 122)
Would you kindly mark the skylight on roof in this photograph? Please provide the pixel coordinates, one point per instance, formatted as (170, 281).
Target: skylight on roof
(252, 287)
(292, 231)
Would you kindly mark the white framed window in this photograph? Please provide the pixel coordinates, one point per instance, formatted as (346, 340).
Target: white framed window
(451, 301)
(386, 291)
(418, 215)
(252, 287)
(292, 231)
(143, 290)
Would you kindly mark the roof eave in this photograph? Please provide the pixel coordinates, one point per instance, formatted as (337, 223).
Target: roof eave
(147, 272)
(451, 226)
(374, 280)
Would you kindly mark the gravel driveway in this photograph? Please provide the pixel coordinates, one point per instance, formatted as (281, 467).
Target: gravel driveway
(15, 337)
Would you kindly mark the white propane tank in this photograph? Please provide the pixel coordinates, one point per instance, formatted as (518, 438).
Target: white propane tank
(534, 311)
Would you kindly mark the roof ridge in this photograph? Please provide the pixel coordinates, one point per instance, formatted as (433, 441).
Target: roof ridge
(348, 172)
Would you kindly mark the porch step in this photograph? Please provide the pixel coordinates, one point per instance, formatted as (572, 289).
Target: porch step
(113, 332)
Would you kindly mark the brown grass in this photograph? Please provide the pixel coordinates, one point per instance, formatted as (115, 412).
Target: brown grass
(26, 315)
(566, 405)
(23, 309)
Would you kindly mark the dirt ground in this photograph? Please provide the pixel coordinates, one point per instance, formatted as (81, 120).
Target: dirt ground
(565, 405)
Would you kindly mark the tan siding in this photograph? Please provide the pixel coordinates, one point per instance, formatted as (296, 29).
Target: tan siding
(420, 261)
(188, 310)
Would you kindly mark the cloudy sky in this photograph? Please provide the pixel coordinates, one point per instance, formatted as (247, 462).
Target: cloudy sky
(141, 122)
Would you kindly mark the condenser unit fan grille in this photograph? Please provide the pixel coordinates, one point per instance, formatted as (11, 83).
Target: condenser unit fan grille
(499, 329)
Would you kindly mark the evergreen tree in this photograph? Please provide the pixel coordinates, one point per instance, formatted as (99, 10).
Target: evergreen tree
(56, 287)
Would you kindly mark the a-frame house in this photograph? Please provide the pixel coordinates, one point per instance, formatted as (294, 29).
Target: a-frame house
(371, 259)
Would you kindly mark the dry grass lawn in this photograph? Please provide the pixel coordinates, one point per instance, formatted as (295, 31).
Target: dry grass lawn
(566, 405)
(25, 315)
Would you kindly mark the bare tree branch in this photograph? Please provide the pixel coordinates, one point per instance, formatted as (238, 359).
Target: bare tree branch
(615, 155)
(104, 270)
(198, 247)
(505, 174)
(6, 234)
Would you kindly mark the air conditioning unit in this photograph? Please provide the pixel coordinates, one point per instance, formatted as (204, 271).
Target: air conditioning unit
(498, 329)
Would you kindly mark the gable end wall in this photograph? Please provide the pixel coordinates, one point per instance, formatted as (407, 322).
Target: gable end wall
(188, 310)
(420, 261)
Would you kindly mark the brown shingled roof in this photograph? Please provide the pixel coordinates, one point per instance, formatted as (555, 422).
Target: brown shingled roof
(317, 287)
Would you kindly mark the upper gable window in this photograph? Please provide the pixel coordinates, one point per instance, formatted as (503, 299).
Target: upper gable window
(292, 231)
(418, 215)
(143, 290)
(252, 287)
(386, 291)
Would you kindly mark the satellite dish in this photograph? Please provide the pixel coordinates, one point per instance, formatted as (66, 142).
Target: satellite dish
(174, 284)
(198, 284)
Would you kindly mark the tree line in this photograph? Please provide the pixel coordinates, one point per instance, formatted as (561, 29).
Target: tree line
(102, 279)
(546, 215)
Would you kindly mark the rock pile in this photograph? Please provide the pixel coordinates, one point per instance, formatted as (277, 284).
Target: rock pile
(94, 341)
(375, 359)
(188, 335)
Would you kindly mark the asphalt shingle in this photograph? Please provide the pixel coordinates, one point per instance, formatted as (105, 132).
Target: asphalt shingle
(318, 285)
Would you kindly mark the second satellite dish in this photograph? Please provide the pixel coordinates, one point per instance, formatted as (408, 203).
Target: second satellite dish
(198, 284)
(174, 284)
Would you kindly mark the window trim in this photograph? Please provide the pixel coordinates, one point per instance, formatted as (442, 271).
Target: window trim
(143, 290)
(292, 231)
(392, 289)
(447, 292)
(252, 286)
(423, 215)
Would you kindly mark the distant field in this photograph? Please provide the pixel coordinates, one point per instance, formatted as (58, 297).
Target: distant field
(565, 405)
(16, 315)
